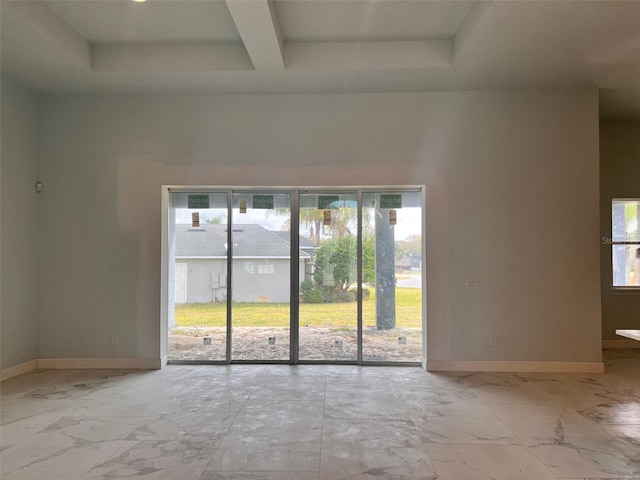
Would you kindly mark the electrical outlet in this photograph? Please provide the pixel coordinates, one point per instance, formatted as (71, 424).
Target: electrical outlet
(472, 284)
(115, 340)
(493, 341)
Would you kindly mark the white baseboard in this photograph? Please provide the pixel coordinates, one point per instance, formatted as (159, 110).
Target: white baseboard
(99, 363)
(504, 366)
(20, 369)
(621, 343)
(431, 366)
(82, 363)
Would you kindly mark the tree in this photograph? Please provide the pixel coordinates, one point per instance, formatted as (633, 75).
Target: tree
(336, 262)
(214, 220)
(410, 246)
(313, 219)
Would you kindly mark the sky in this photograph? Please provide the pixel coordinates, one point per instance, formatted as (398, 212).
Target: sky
(408, 219)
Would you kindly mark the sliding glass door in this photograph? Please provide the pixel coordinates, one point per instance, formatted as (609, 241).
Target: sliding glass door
(261, 279)
(198, 286)
(392, 300)
(346, 287)
(328, 313)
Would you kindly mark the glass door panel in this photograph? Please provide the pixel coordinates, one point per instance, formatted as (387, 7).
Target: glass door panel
(328, 309)
(198, 276)
(392, 267)
(254, 297)
(261, 277)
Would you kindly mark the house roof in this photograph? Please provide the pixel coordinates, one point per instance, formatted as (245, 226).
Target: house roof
(305, 243)
(250, 240)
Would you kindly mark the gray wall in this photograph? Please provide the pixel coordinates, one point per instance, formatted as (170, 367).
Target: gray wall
(19, 220)
(199, 279)
(619, 178)
(512, 182)
(255, 287)
(247, 287)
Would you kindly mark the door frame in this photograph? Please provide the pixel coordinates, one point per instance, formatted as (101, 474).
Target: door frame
(167, 294)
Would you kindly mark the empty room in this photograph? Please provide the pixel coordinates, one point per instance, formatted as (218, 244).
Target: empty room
(319, 240)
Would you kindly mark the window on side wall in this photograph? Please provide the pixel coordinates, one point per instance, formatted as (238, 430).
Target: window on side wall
(625, 242)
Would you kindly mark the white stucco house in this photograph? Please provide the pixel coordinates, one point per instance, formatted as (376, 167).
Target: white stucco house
(260, 263)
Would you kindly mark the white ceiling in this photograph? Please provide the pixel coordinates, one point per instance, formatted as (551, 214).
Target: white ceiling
(316, 46)
(105, 21)
(358, 20)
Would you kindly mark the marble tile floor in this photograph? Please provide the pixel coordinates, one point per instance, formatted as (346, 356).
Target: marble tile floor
(311, 422)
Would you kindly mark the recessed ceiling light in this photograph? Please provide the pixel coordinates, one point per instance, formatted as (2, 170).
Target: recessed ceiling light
(139, 1)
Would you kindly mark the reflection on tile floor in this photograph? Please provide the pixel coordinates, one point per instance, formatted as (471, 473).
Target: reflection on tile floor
(313, 422)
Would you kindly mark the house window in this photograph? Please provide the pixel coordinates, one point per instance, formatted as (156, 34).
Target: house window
(266, 268)
(249, 267)
(625, 242)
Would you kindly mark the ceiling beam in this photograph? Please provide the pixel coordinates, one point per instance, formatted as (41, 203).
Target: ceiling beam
(257, 23)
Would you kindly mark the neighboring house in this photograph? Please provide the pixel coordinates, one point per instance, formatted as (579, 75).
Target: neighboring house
(307, 247)
(260, 264)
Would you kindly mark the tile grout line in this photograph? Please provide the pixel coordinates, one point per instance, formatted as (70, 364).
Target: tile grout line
(324, 407)
(215, 450)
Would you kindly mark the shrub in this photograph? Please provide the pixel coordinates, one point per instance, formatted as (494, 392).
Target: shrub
(338, 296)
(366, 293)
(312, 294)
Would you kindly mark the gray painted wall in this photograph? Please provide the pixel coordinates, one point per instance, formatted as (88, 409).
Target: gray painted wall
(619, 178)
(199, 287)
(512, 182)
(19, 219)
(247, 286)
(254, 287)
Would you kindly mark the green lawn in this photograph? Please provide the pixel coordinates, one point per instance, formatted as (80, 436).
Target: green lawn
(408, 313)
